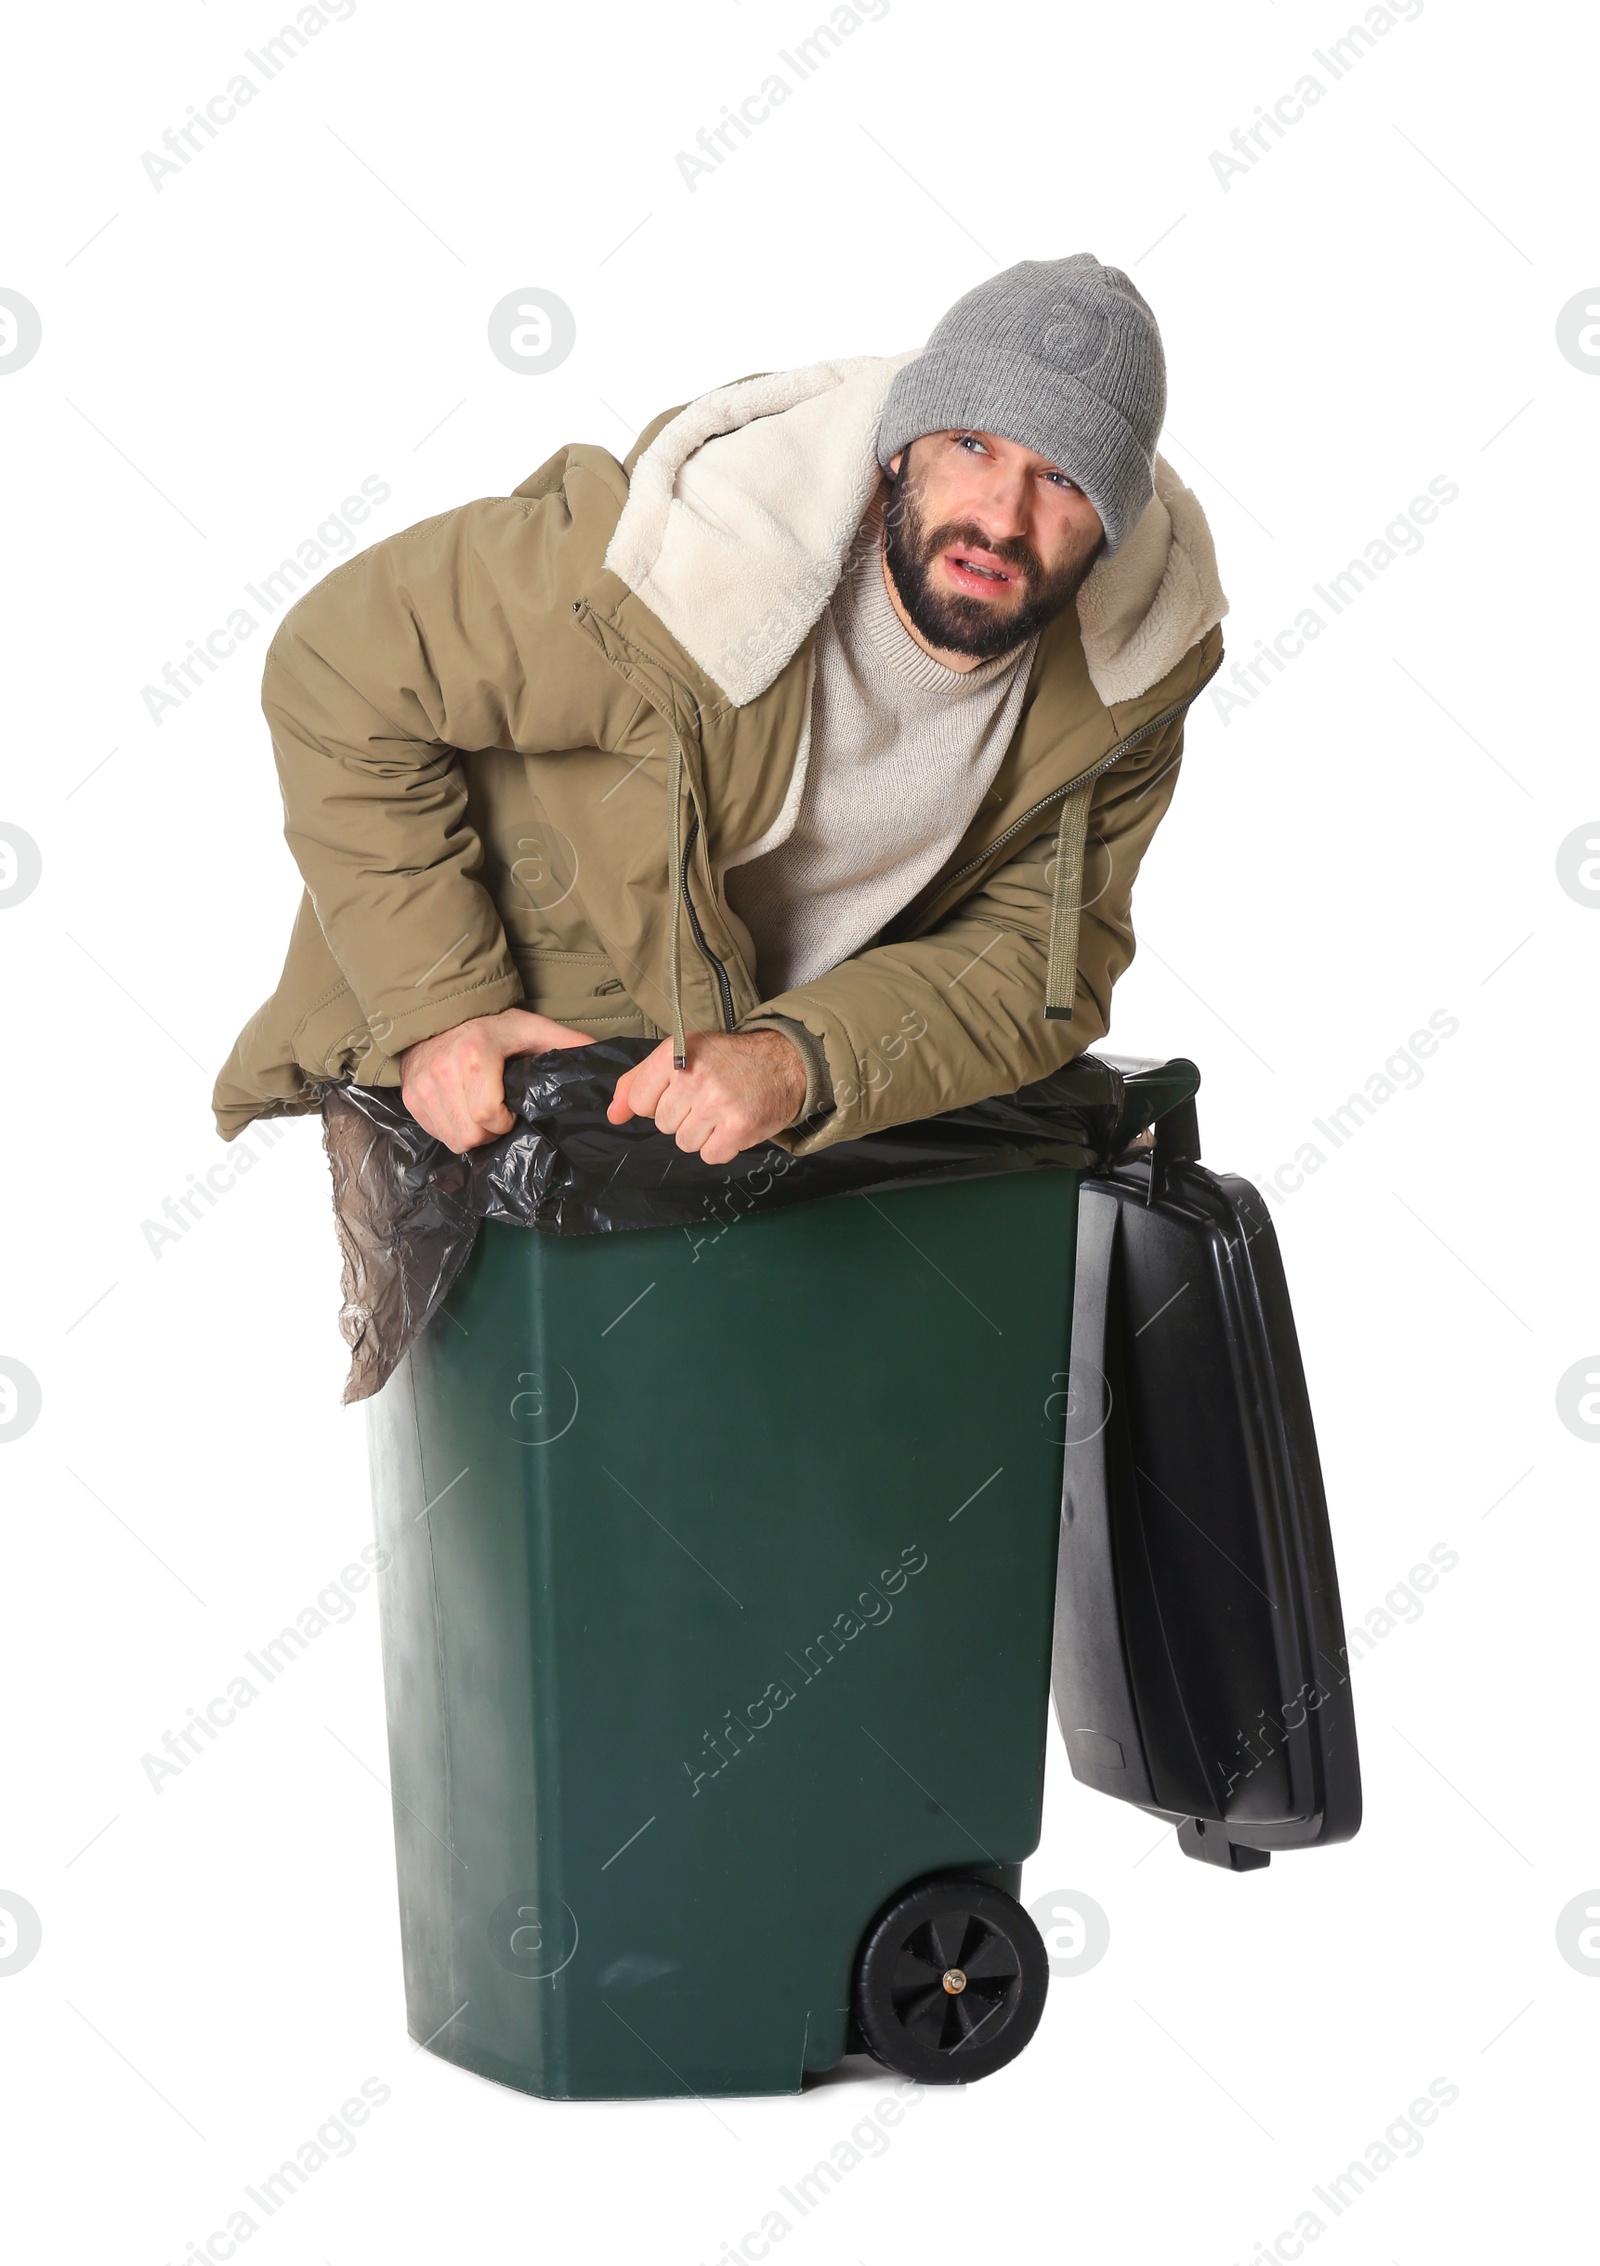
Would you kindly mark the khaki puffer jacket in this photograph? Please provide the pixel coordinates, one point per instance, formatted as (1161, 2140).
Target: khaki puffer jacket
(520, 744)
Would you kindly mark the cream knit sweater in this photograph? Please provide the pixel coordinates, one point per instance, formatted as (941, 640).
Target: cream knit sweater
(896, 755)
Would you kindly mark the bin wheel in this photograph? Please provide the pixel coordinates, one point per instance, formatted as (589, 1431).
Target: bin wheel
(950, 1980)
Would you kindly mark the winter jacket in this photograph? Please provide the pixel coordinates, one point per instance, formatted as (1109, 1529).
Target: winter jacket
(520, 742)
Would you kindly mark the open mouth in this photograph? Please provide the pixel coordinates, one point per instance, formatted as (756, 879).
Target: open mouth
(979, 572)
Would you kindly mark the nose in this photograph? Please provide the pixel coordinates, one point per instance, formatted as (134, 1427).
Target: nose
(1001, 507)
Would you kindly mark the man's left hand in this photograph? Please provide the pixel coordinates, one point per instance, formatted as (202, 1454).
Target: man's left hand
(740, 1087)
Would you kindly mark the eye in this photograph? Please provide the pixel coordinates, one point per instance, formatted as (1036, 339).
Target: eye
(971, 441)
(1070, 487)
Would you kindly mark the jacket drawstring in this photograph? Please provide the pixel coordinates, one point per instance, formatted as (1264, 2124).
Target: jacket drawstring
(1066, 905)
(680, 1043)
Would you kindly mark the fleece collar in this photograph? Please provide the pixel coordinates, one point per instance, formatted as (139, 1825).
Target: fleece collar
(742, 509)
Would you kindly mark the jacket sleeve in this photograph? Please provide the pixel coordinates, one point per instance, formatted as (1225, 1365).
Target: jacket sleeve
(452, 637)
(950, 1017)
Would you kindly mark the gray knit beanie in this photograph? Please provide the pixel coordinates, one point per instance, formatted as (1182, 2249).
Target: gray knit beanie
(1061, 356)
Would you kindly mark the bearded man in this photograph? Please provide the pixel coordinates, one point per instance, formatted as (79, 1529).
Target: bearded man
(820, 739)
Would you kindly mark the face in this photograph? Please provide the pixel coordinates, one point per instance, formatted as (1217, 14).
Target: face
(986, 541)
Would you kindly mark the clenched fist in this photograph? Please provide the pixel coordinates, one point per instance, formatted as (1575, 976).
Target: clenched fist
(740, 1087)
(454, 1083)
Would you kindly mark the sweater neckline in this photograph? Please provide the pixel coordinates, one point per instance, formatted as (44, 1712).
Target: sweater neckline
(871, 611)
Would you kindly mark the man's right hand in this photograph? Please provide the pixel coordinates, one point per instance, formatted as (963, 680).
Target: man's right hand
(454, 1083)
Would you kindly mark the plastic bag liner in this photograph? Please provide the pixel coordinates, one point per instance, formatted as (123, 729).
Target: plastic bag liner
(408, 1208)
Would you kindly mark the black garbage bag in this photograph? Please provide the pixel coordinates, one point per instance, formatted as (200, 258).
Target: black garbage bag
(408, 1209)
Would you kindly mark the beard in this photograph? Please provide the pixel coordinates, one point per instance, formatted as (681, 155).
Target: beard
(981, 628)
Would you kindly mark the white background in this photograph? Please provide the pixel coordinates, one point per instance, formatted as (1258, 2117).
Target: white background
(1371, 839)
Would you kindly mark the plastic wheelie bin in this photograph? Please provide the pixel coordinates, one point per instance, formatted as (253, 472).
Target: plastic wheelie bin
(720, 1598)
(719, 1614)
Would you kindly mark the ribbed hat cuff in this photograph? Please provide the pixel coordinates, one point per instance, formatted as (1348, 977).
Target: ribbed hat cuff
(1024, 400)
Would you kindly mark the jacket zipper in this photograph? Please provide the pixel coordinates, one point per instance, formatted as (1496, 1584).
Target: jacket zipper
(723, 985)
(1057, 794)
(724, 988)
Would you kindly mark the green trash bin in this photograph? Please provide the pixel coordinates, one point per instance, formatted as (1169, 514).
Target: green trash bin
(717, 1616)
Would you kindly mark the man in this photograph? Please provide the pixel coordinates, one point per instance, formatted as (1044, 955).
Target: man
(783, 742)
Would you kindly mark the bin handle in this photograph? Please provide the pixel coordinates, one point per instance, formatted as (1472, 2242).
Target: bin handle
(1176, 1141)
